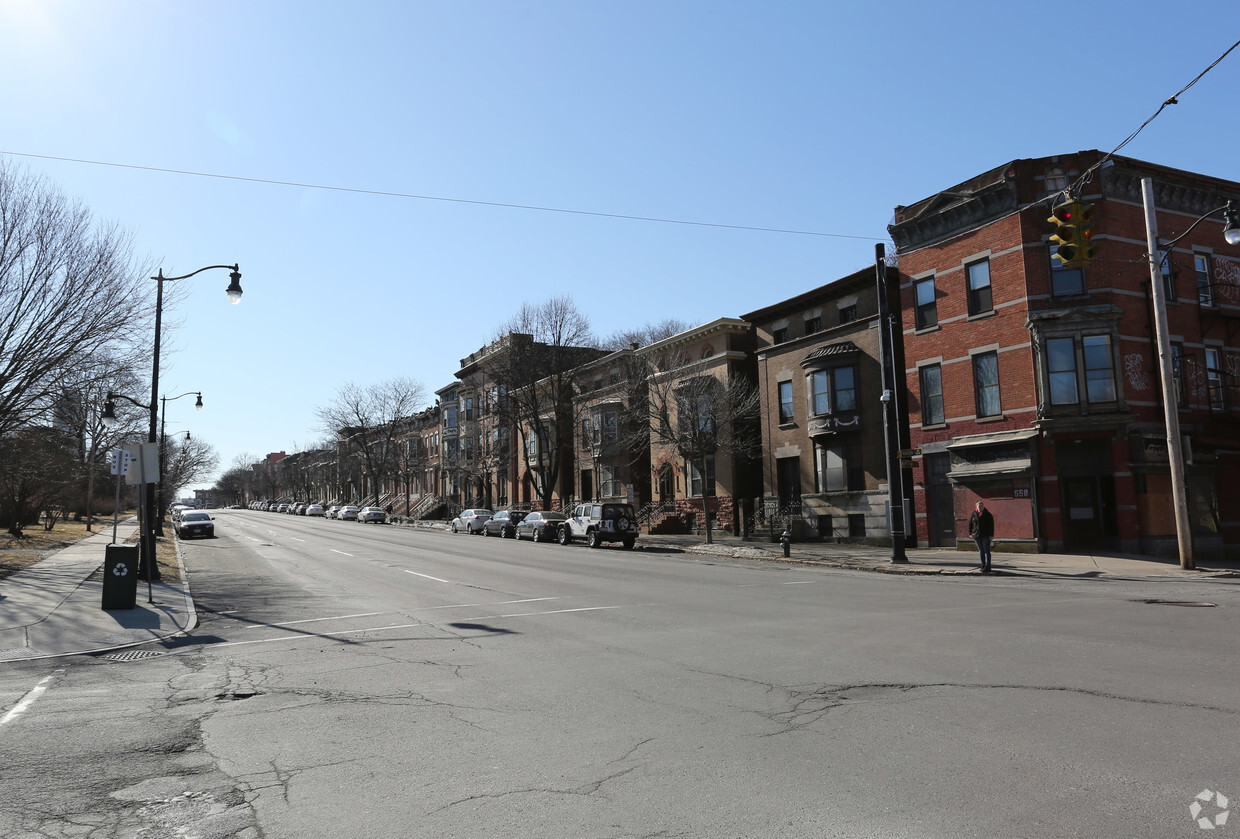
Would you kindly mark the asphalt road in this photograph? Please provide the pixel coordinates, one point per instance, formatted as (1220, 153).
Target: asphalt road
(367, 681)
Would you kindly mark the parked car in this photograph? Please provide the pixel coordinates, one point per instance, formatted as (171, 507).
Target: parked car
(372, 514)
(470, 521)
(281, 508)
(599, 523)
(541, 526)
(300, 509)
(502, 524)
(315, 510)
(332, 511)
(348, 513)
(195, 523)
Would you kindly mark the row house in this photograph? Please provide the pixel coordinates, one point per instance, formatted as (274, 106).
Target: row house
(1037, 388)
(824, 471)
(689, 381)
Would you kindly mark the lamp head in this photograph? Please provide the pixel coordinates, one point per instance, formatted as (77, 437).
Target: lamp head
(198, 404)
(1231, 227)
(108, 417)
(234, 288)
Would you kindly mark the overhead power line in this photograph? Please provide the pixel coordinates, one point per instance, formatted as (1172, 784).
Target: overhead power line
(414, 196)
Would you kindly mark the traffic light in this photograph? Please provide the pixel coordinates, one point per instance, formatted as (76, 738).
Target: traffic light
(1074, 233)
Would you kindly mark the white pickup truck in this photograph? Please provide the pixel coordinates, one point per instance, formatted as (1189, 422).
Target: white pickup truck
(599, 523)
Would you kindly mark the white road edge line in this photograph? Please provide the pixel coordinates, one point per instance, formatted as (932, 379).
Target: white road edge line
(28, 700)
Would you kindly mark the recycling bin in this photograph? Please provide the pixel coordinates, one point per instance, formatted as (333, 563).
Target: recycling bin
(120, 577)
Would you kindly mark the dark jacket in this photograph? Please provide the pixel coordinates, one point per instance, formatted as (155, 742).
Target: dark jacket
(982, 525)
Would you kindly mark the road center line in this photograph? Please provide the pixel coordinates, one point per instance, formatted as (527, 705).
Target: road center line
(28, 700)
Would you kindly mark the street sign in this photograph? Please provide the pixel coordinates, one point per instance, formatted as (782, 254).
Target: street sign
(911, 452)
(146, 456)
(120, 461)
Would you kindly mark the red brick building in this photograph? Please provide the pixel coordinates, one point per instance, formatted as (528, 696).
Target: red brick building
(1037, 388)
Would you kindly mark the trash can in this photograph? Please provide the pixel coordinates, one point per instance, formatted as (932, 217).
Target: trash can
(120, 577)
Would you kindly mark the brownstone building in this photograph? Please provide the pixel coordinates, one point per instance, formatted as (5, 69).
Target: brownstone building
(824, 466)
(1037, 389)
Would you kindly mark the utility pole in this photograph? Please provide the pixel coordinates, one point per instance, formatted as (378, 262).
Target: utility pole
(891, 416)
(1171, 415)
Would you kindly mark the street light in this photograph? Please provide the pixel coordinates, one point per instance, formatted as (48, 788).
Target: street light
(234, 296)
(161, 501)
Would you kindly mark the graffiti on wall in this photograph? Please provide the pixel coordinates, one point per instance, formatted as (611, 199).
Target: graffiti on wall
(1136, 371)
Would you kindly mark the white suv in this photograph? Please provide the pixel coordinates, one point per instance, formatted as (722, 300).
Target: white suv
(599, 523)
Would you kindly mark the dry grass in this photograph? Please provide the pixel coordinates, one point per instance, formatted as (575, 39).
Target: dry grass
(37, 544)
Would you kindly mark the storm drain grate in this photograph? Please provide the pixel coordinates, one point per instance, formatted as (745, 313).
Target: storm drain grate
(132, 655)
(1196, 603)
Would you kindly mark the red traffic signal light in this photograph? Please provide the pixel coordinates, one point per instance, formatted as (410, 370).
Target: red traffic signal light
(1073, 234)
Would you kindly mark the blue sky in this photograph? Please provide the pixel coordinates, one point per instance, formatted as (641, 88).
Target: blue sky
(803, 116)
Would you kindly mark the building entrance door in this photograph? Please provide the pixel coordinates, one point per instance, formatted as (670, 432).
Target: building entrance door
(940, 506)
(789, 473)
(1087, 495)
(667, 484)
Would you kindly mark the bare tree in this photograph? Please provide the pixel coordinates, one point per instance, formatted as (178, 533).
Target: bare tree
(78, 410)
(36, 473)
(366, 424)
(533, 369)
(644, 335)
(189, 462)
(687, 408)
(68, 287)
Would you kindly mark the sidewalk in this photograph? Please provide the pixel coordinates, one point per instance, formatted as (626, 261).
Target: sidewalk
(54, 607)
(947, 561)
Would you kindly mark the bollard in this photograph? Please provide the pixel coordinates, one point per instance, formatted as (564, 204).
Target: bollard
(785, 539)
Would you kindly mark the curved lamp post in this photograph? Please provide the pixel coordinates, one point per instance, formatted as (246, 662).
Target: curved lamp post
(234, 296)
(161, 501)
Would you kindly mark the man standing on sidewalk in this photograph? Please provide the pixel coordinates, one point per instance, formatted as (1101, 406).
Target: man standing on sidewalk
(982, 529)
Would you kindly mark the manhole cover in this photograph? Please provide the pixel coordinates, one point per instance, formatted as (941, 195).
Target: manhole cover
(132, 655)
(1178, 603)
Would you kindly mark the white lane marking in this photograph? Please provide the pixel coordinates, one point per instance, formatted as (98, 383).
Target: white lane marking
(315, 620)
(475, 605)
(799, 583)
(28, 700)
(427, 576)
(254, 539)
(340, 552)
(295, 539)
(331, 635)
(557, 612)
